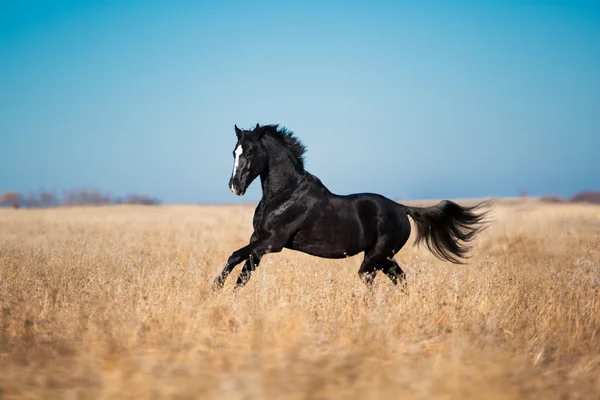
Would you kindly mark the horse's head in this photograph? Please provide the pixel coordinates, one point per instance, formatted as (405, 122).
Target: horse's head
(249, 159)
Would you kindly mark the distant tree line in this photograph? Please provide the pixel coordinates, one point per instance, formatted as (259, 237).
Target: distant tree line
(587, 196)
(75, 197)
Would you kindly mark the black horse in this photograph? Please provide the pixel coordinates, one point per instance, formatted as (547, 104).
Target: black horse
(298, 212)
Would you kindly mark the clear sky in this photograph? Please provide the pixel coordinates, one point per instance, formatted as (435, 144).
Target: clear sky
(419, 99)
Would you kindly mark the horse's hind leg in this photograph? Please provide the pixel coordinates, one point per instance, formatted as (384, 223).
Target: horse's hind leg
(379, 257)
(367, 272)
(390, 267)
(373, 261)
(394, 272)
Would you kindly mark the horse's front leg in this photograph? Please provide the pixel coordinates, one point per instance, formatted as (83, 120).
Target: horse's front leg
(236, 257)
(257, 249)
(247, 269)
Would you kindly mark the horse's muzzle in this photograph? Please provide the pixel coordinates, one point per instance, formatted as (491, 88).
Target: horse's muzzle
(236, 190)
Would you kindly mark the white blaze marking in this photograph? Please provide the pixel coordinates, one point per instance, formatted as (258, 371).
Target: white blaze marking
(238, 153)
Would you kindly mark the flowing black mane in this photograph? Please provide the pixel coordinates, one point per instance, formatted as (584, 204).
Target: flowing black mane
(287, 138)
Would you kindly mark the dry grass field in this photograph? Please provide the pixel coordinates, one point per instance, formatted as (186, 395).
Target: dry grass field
(115, 302)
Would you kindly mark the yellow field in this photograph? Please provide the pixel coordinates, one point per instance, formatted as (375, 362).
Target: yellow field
(115, 302)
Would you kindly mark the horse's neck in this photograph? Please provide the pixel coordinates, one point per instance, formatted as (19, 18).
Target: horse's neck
(280, 177)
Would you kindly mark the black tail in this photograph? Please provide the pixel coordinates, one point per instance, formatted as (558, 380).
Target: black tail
(446, 228)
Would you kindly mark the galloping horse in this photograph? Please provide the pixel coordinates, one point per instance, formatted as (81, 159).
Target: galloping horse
(298, 212)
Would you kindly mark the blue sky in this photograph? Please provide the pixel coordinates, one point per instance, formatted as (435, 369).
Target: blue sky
(421, 99)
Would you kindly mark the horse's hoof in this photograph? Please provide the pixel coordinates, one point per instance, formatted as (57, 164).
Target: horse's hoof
(217, 284)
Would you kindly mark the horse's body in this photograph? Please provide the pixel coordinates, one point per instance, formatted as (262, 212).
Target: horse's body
(298, 212)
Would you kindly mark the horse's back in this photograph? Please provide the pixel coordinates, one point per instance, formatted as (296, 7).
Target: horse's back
(376, 208)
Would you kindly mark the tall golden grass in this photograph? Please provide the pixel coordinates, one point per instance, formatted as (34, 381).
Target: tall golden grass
(115, 302)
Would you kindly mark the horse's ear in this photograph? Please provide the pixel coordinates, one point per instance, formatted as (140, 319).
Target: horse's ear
(238, 132)
(258, 131)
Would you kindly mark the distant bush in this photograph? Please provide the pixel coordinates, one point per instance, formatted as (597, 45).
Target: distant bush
(43, 199)
(85, 197)
(553, 198)
(74, 197)
(11, 199)
(586, 197)
(138, 199)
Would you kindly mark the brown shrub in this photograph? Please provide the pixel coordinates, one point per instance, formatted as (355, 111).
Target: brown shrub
(586, 197)
(552, 198)
(11, 199)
